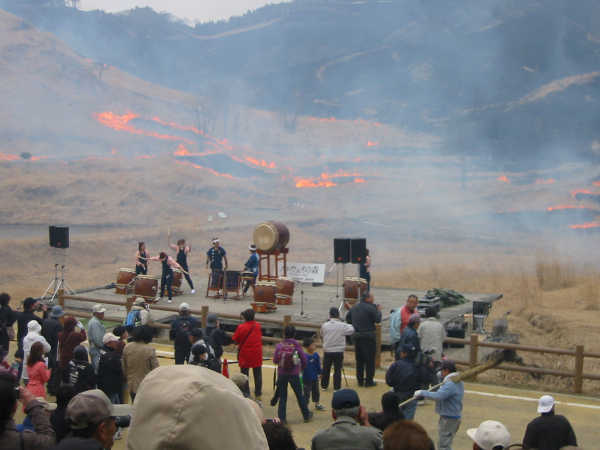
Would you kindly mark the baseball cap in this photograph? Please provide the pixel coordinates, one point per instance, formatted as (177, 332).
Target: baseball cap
(188, 417)
(345, 398)
(98, 309)
(407, 348)
(184, 306)
(211, 320)
(414, 318)
(490, 435)
(92, 407)
(546, 404)
(109, 337)
(448, 365)
(57, 311)
(139, 301)
(239, 379)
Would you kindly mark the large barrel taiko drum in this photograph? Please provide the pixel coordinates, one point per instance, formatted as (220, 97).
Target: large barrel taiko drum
(124, 279)
(145, 286)
(271, 236)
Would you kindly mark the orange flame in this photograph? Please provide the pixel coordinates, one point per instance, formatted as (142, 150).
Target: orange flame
(593, 224)
(540, 181)
(304, 182)
(122, 123)
(583, 191)
(114, 151)
(596, 183)
(371, 144)
(555, 208)
(185, 163)
(8, 157)
(261, 162)
(503, 178)
(37, 158)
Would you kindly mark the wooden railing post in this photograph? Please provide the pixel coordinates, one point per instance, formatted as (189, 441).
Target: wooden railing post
(286, 320)
(129, 299)
(578, 385)
(204, 315)
(378, 343)
(473, 358)
(61, 298)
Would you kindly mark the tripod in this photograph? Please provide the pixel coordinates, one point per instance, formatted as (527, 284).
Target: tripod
(58, 283)
(304, 316)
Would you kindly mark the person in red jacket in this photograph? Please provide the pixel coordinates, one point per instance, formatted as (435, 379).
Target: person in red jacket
(68, 339)
(248, 337)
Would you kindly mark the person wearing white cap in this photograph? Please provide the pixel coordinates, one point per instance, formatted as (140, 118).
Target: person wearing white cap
(215, 255)
(490, 435)
(549, 431)
(96, 332)
(251, 265)
(139, 313)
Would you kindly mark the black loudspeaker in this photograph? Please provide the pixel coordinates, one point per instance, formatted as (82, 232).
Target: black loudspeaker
(341, 250)
(358, 250)
(59, 237)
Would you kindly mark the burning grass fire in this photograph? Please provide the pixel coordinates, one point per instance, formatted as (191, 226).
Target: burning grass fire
(594, 224)
(186, 163)
(326, 180)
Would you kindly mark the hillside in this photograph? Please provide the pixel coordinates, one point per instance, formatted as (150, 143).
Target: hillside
(455, 69)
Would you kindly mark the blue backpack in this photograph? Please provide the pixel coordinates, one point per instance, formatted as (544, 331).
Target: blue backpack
(133, 318)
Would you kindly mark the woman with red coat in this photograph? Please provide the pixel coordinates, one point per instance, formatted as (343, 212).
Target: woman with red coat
(37, 370)
(68, 339)
(248, 337)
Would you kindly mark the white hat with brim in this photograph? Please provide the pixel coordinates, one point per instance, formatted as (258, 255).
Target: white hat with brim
(489, 435)
(46, 404)
(98, 309)
(546, 404)
(184, 307)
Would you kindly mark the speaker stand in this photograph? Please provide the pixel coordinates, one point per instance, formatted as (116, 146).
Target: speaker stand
(58, 283)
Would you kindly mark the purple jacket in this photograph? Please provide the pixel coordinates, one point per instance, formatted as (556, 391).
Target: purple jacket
(303, 359)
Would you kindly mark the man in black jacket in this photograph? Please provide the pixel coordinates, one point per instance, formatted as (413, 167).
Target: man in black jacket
(549, 431)
(110, 369)
(214, 336)
(50, 330)
(406, 378)
(363, 316)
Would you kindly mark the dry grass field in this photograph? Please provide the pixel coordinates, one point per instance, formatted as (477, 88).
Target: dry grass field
(393, 186)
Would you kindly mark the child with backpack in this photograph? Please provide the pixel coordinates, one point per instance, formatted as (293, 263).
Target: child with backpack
(81, 372)
(291, 359)
(312, 374)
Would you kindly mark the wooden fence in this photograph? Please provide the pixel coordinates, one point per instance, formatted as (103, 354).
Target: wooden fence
(579, 353)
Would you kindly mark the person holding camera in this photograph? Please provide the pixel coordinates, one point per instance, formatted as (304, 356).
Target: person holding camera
(10, 439)
(406, 377)
(363, 316)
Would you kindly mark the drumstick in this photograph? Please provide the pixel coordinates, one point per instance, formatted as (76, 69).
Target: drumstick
(141, 257)
(187, 273)
(169, 231)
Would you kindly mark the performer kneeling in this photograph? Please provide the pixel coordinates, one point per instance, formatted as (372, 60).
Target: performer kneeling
(168, 264)
(182, 252)
(251, 264)
(141, 260)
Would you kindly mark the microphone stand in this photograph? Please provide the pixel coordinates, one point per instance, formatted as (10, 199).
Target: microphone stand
(304, 316)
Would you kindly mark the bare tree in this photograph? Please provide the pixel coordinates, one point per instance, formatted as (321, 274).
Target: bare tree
(26, 156)
(298, 103)
(205, 107)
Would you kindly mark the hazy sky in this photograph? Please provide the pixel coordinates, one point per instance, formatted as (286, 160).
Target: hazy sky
(201, 10)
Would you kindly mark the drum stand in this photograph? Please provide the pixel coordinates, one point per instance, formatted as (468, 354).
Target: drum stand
(304, 316)
(58, 283)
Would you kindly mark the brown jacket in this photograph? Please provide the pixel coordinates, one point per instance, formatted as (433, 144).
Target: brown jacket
(139, 359)
(43, 438)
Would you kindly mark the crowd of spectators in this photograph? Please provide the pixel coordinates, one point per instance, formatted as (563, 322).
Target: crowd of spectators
(187, 406)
